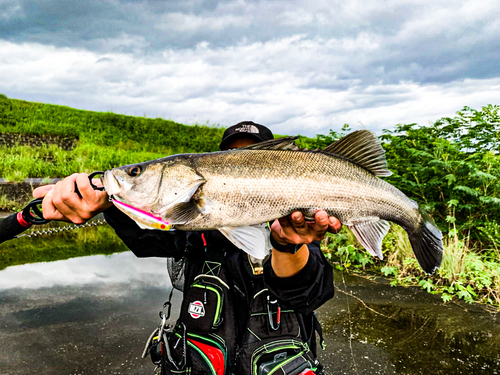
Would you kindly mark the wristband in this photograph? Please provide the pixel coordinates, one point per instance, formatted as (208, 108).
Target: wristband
(290, 248)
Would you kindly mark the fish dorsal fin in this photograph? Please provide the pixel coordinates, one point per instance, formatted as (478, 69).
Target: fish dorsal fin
(363, 148)
(287, 143)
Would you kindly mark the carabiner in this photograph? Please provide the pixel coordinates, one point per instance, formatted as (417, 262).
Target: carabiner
(270, 313)
(91, 176)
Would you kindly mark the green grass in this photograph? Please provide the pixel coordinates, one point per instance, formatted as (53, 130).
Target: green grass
(107, 129)
(106, 140)
(20, 162)
(7, 204)
(464, 273)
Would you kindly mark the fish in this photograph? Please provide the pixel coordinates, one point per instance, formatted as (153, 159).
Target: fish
(235, 191)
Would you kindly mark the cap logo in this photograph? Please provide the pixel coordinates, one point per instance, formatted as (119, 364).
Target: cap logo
(247, 129)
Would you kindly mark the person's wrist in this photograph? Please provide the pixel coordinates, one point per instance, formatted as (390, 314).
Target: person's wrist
(289, 248)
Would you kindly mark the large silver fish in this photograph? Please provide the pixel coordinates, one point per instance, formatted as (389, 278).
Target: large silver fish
(234, 190)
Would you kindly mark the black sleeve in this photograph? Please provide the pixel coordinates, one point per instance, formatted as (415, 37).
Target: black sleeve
(145, 242)
(307, 290)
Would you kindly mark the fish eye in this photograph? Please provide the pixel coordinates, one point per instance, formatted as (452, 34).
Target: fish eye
(134, 171)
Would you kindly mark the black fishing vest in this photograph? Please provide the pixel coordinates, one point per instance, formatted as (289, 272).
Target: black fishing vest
(230, 323)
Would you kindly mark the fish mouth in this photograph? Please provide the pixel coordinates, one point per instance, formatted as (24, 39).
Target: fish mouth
(113, 184)
(142, 218)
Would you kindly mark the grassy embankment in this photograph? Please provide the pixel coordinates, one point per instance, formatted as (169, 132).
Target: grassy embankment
(102, 141)
(437, 179)
(105, 140)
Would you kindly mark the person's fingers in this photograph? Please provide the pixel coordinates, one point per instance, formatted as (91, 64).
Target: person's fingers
(68, 193)
(97, 182)
(49, 211)
(41, 191)
(295, 229)
(282, 231)
(285, 229)
(299, 223)
(334, 225)
(83, 184)
(66, 201)
(316, 230)
(285, 223)
(320, 221)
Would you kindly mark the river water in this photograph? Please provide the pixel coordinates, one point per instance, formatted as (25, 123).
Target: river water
(91, 315)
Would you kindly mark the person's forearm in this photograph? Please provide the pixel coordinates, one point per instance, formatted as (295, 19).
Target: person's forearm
(286, 265)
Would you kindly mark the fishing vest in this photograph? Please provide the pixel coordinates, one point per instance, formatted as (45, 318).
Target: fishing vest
(205, 340)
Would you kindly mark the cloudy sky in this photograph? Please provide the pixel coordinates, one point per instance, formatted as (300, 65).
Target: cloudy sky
(301, 67)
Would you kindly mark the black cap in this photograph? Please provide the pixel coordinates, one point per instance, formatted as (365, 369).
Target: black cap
(245, 129)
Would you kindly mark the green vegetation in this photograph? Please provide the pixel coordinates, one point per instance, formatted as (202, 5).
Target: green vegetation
(106, 140)
(451, 167)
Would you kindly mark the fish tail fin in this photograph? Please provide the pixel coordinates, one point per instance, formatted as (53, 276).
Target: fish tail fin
(427, 243)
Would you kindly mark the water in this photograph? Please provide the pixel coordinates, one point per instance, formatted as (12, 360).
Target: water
(373, 328)
(91, 315)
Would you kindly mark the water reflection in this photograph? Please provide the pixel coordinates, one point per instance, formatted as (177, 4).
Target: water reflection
(99, 269)
(91, 315)
(88, 315)
(382, 330)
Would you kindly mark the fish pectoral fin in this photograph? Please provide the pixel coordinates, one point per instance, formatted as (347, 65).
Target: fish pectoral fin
(370, 234)
(186, 195)
(253, 240)
(182, 213)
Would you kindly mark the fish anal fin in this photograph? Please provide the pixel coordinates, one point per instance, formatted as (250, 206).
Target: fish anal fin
(363, 148)
(370, 234)
(253, 240)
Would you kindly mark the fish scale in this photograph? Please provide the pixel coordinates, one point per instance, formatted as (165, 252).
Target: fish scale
(264, 185)
(234, 191)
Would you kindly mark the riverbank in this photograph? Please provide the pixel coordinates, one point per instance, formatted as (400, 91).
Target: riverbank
(478, 281)
(464, 273)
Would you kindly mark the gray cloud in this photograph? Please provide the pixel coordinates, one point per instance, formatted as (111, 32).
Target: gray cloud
(298, 66)
(421, 41)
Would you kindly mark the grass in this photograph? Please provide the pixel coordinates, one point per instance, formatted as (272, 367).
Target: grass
(106, 129)
(465, 273)
(20, 162)
(7, 204)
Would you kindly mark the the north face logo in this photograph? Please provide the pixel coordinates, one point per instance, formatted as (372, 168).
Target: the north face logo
(196, 309)
(247, 129)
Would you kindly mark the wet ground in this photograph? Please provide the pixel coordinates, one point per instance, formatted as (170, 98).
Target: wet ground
(92, 315)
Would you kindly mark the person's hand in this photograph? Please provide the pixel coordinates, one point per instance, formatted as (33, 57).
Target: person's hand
(61, 202)
(294, 229)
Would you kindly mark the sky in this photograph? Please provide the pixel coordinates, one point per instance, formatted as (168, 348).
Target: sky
(299, 67)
